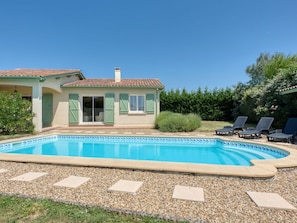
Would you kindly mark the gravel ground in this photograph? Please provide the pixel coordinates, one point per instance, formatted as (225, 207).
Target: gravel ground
(226, 199)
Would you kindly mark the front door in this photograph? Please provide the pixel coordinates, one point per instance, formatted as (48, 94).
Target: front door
(47, 110)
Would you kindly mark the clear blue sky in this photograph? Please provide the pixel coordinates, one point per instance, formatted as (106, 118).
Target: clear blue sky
(185, 43)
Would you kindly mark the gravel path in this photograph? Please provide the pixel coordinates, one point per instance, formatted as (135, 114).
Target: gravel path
(226, 199)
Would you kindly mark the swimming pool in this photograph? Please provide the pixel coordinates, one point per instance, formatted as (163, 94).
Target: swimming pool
(159, 149)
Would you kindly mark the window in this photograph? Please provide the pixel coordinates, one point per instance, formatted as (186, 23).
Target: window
(28, 98)
(136, 103)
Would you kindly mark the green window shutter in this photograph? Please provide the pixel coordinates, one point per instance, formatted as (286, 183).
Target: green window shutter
(109, 109)
(47, 110)
(150, 103)
(73, 109)
(124, 98)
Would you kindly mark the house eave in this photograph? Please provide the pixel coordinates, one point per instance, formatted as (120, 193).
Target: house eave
(43, 78)
(138, 87)
(19, 77)
(288, 91)
(78, 74)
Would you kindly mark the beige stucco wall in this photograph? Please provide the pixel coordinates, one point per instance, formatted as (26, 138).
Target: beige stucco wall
(61, 107)
(133, 119)
(35, 88)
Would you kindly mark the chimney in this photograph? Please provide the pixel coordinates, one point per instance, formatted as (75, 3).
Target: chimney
(117, 74)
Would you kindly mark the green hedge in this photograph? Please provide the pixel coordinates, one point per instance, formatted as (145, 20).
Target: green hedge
(214, 105)
(175, 122)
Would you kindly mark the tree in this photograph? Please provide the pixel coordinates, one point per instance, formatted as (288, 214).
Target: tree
(256, 71)
(260, 97)
(279, 63)
(268, 66)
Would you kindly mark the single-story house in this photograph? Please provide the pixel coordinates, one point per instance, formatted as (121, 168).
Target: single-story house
(67, 98)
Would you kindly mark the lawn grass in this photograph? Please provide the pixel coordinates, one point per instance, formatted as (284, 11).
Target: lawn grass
(211, 126)
(19, 209)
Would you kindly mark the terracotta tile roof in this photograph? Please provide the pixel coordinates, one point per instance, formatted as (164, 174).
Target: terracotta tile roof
(35, 72)
(100, 82)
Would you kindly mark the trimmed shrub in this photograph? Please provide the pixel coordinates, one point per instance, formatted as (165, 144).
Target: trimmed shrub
(15, 114)
(192, 122)
(176, 122)
(161, 116)
(173, 123)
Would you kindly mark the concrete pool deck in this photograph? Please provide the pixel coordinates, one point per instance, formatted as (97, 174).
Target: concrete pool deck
(169, 195)
(259, 169)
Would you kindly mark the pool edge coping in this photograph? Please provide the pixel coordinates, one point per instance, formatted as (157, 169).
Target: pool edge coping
(260, 168)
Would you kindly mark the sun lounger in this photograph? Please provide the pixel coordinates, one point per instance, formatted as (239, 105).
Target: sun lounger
(288, 134)
(263, 125)
(237, 126)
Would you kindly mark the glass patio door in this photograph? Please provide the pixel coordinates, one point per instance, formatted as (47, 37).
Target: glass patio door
(93, 109)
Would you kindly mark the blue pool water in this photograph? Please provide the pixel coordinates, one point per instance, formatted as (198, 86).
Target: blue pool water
(165, 149)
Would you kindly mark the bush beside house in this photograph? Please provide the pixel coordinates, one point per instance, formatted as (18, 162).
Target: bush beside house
(15, 114)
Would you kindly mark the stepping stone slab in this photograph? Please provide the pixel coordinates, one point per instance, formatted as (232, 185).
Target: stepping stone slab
(3, 170)
(72, 181)
(188, 193)
(270, 200)
(126, 186)
(30, 176)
